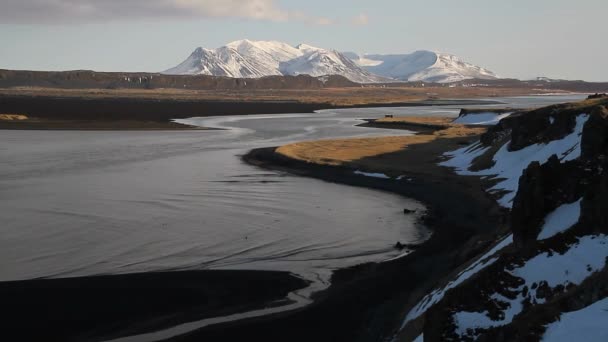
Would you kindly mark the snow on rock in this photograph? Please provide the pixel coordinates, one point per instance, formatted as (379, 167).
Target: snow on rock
(374, 175)
(462, 158)
(485, 118)
(509, 165)
(560, 220)
(419, 338)
(254, 59)
(427, 66)
(588, 324)
(582, 259)
(436, 295)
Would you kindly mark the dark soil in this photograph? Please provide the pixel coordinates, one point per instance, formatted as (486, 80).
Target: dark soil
(93, 308)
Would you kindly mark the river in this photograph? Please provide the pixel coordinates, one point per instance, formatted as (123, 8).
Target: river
(76, 203)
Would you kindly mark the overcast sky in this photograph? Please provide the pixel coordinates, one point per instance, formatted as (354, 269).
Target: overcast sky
(516, 38)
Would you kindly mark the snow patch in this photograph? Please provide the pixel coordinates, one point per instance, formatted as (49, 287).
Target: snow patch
(374, 175)
(560, 220)
(588, 324)
(509, 165)
(436, 295)
(419, 338)
(582, 259)
(462, 158)
(485, 118)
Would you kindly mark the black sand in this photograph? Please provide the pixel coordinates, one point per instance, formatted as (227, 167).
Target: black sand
(100, 307)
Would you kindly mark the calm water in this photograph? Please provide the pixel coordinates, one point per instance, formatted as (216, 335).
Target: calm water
(81, 203)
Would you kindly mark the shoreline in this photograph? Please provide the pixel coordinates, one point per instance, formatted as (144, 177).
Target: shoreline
(104, 307)
(36, 124)
(458, 213)
(44, 112)
(386, 287)
(464, 220)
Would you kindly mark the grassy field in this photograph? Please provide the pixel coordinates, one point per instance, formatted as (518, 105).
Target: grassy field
(356, 152)
(334, 96)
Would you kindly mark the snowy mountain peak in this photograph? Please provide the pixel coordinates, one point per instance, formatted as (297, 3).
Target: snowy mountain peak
(422, 65)
(251, 59)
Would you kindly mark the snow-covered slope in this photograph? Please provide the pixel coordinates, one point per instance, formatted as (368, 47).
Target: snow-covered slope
(423, 65)
(252, 59)
(548, 279)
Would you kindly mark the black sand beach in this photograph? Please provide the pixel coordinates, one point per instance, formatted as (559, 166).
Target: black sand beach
(366, 302)
(104, 307)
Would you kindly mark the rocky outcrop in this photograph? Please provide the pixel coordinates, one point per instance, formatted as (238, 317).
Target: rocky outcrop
(543, 188)
(541, 125)
(529, 205)
(594, 208)
(594, 143)
(597, 96)
(528, 285)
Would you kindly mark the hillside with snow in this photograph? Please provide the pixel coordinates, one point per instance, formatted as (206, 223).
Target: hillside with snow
(424, 66)
(547, 279)
(254, 59)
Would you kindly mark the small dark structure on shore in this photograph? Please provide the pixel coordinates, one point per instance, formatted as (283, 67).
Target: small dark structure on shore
(597, 96)
(389, 116)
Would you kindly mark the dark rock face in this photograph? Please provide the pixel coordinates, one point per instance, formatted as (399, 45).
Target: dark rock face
(541, 125)
(542, 189)
(594, 142)
(528, 206)
(597, 96)
(594, 208)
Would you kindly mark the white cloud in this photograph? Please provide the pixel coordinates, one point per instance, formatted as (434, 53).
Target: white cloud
(360, 20)
(67, 11)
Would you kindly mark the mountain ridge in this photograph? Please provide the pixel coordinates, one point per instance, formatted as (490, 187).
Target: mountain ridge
(253, 59)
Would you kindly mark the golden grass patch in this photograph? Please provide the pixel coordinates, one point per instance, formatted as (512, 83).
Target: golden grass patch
(343, 151)
(437, 120)
(13, 117)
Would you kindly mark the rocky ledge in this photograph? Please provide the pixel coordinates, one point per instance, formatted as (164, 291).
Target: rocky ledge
(549, 275)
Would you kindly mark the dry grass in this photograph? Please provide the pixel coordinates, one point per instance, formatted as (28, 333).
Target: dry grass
(339, 151)
(13, 117)
(344, 151)
(335, 96)
(420, 120)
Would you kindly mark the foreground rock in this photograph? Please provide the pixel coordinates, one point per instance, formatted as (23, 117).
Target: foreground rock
(542, 280)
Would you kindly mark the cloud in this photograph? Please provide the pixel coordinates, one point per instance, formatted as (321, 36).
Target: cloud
(305, 18)
(360, 20)
(69, 11)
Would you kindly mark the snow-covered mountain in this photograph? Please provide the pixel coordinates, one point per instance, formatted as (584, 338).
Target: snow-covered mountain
(252, 59)
(422, 65)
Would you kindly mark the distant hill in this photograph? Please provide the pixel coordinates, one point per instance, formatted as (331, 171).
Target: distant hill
(423, 65)
(86, 79)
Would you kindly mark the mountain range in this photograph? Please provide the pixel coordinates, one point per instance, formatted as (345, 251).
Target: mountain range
(254, 59)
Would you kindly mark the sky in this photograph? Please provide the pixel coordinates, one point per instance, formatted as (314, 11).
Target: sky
(517, 38)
